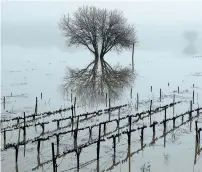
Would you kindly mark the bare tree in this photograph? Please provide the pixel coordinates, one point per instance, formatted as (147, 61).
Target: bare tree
(99, 30)
(91, 84)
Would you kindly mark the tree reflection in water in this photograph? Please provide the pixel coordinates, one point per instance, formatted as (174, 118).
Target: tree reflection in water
(91, 84)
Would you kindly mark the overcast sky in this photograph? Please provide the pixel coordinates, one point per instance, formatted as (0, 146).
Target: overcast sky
(35, 23)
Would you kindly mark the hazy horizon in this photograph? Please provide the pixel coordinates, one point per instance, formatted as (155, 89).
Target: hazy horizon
(159, 25)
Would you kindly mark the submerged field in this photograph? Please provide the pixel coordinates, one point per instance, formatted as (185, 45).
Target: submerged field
(26, 73)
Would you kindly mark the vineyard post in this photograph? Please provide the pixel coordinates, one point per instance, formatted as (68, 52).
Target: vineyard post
(74, 102)
(160, 94)
(71, 96)
(137, 101)
(118, 125)
(190, 115)
(165, 113)
(106, 100)
(36, 107)
(4, 102)
(98, 150)
(75, 139)
(142, 137)
(174, 118)
(173, 105)
(164, 132)
(53, 158)
(193, 96)
(131, 93)
(24, 134)
(109, 109)
(78, 151)
(4, 138)
(197, 136)
(38, 151)
(58, 143)
(150, 111)
(114, 143)
(72, 118)
(129, 150)
(16, 154)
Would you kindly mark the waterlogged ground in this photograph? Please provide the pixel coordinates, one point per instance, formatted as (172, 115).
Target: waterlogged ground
(28, 72)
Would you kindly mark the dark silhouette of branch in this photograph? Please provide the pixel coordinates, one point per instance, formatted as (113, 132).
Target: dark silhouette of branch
(91, 83)
(99, 30)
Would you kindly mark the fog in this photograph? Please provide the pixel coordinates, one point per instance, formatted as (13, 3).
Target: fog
(159, 25)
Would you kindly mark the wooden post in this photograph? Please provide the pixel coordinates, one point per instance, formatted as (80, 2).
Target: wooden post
(168, 84)
(109, 109)
(164, 132)
(4, 102)
(58, 143)
(137, 101)
(173, 105)
(151, 88)
(190, 115)
(38, 151)
(105, 128)
(72, 118)
(150, 111)
(178, 89)
(129, 150)
(90, 133)
(118, 125)
(78, 151)
(195, 156)
(142, 137)
(197, 137)
(154, 132)
(41, 95)
(71, 96)
(43, 128)
(75, 138)
(160, 94)
(198, 112)
(165, 114)
(58, 124)
(53, 157)
(193, 96)
(174, 118)
(131, 93)
(129, 122)
(38, 146)
(4, 138)
(114, 143)
(133, 58)
(16, 154)
(98, 150)
(74, 102)
(106, 99)
(36, 107)
(19, 134)
(24, 134)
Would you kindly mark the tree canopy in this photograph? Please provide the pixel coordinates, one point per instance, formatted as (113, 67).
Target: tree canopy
(99, 30)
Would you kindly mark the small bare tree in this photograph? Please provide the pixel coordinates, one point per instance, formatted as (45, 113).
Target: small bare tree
(99, 30)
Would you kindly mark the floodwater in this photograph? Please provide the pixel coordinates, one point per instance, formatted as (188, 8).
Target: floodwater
(25, 75)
